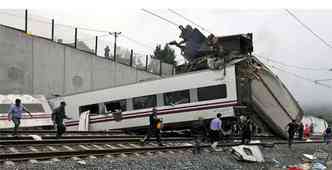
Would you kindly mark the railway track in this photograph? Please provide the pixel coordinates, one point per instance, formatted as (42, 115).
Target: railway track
(22, 150)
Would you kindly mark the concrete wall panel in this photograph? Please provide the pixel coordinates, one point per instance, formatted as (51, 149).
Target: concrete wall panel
(103, 73)
(48, 67)
(78, 71)
(124, 74)
(33, 65)
(16, 62)
(143, 76)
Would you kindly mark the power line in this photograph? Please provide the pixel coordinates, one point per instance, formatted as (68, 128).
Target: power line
(137, 42)
(293, 66)
(301, 77)
(308, 28)
(165, 19)
(189, 20)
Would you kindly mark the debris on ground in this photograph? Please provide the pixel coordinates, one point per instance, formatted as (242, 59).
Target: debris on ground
(249, 153)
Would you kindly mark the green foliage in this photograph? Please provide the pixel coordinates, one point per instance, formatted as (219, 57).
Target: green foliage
(166, 54)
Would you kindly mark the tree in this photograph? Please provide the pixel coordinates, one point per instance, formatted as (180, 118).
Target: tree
(166, 55)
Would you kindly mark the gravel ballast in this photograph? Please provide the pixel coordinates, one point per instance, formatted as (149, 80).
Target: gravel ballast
(185, 160)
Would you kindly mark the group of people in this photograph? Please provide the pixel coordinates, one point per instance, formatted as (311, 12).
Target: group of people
(245, 128)
(199, 130)
(15, 114)
(304, 132)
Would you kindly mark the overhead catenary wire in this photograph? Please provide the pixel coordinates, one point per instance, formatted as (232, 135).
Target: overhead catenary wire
(163, 18)
(189, 20)
(300, 76)
(293, 66)
(309, 29)
(137, 42)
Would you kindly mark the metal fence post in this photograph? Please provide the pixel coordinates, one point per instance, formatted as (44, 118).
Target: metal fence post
(96, 45)
(52, 33)
(131, 57)
(26, 21)
(160, 71)
(75, 38)
(146, 62)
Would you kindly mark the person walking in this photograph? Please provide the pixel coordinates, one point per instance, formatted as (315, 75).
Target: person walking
(107, 52)
(198, 131)
(327, 135)
(246, 130)
(306, 131)
(300, 131)
(58, 115)
(15, 114)
(292, 128)
(154, 127)
(215, 130)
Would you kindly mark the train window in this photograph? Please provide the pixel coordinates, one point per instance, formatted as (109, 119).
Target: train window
(93, 108)
(176, 97)
(34, 108)
(4, 108)
(212, 92)
(118, 105)
(145, 102)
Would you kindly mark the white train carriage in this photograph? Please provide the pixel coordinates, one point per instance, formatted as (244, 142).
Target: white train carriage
(36, 104)
(179, 99)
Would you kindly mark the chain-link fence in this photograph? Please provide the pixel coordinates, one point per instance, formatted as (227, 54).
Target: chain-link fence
(84, 39)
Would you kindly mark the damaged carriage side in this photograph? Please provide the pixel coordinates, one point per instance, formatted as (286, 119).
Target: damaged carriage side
(266, 99)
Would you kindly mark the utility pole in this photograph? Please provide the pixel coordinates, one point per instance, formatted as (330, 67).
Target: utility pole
(115, 36)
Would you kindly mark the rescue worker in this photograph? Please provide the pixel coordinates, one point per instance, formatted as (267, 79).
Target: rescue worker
(327, 135)
(292, 127)
(306, 131)
(154, 127)
(215, 130)
(300, 131)
(246, 130)
(198, 131)
(15, 114)
(57, 116)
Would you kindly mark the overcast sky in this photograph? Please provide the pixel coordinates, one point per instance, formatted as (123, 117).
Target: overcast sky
(276, 35)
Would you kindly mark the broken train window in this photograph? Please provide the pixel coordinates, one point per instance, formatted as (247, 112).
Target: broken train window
(177, 97)
(144, 102)
(115, 106)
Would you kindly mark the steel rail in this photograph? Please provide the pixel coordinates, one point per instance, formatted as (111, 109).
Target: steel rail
(81, 141)
(96, 152)
(54, 131)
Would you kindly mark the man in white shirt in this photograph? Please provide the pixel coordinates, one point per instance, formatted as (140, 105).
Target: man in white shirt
(215, 130)
(15, 114)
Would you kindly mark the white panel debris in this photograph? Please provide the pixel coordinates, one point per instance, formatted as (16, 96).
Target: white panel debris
(250, 153)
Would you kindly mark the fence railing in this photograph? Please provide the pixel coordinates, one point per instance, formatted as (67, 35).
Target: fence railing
(84, 39)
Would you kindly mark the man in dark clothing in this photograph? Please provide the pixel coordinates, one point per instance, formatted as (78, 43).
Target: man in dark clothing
(57, 116)
(246, 129)
(292, 127)
(154, 127)
(107, 52)
(198, 131)
(327, 135)
(300, 131)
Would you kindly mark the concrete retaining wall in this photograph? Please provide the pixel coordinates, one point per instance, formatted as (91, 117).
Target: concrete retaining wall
(34, 65)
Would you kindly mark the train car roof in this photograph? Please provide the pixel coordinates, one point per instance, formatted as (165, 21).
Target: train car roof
(25, 98)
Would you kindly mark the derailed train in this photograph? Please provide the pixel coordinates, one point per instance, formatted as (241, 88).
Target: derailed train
(234, 84)
(237, 85)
